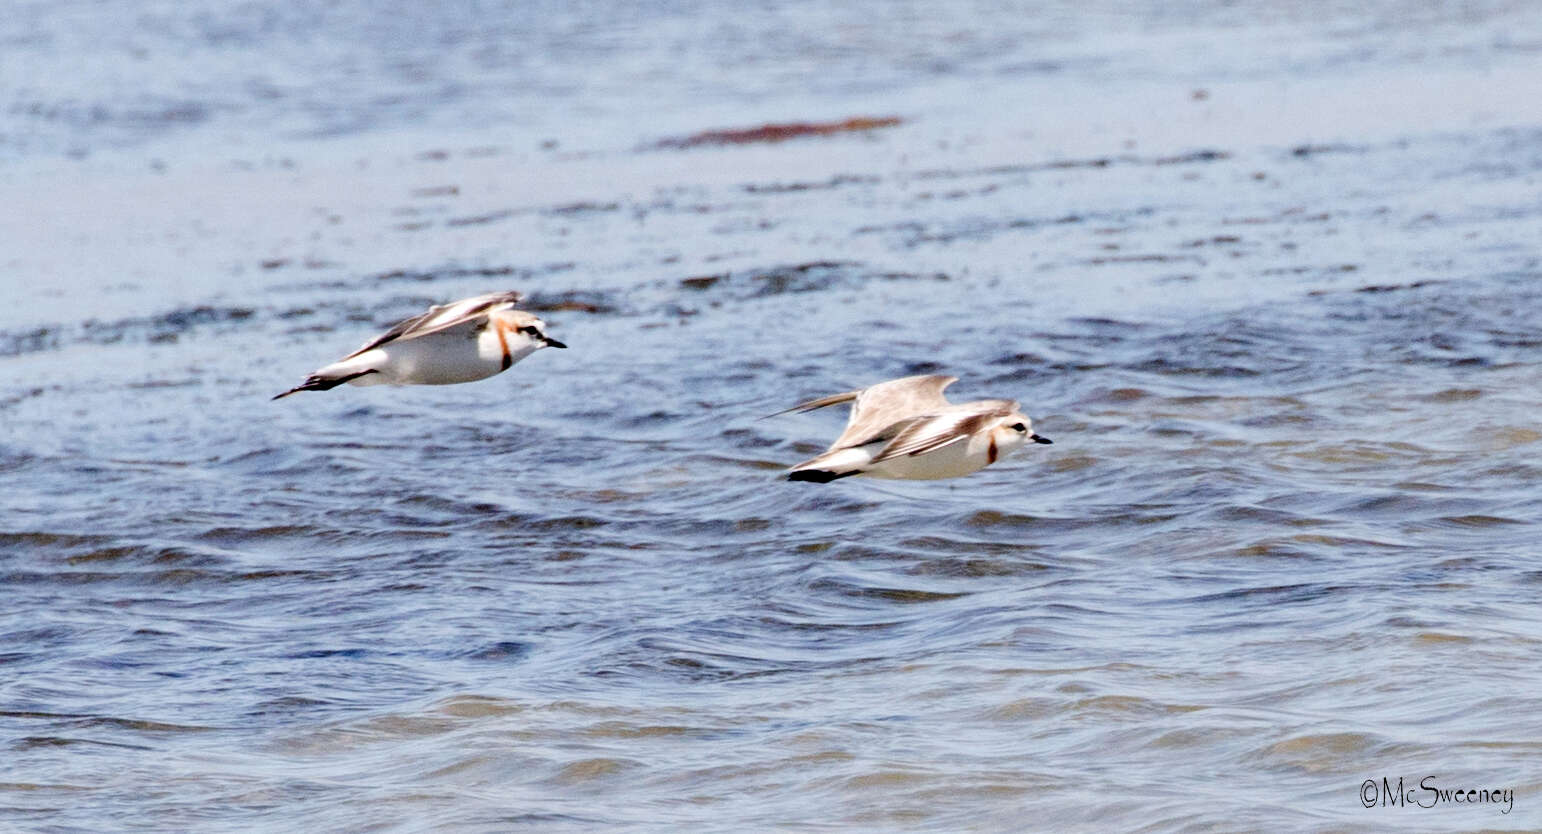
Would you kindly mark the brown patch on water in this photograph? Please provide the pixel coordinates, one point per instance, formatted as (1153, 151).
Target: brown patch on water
(779, 132)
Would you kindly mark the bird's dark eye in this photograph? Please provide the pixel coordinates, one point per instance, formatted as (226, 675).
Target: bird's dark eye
(1019, 427)
(530, 330)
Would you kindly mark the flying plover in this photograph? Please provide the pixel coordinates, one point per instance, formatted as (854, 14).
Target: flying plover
(905, 428)
(463, 341)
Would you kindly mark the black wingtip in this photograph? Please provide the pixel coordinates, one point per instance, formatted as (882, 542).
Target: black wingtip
(316, 383)
(817, 476)
(310, 384)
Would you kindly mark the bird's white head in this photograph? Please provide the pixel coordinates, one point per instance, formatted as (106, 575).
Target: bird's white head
(1014, 431)
(518, 325)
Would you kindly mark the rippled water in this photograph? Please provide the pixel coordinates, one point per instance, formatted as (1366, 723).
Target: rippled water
(1268, 277)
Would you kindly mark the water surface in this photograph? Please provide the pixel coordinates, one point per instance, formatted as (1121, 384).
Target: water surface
(1268, 278)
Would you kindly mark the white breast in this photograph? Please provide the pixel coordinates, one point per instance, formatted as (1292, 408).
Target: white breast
(442, 358)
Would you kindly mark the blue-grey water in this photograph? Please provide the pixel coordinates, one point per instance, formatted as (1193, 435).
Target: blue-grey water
(1268, 274)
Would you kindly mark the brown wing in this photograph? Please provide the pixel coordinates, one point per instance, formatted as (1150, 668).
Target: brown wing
(442, 317)
(813, 404)
(930, 432)
(879, 408)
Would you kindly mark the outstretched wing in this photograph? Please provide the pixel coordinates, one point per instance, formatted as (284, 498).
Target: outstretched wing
(442, 317)
(813, 404)
(937, 430)
(879, 407)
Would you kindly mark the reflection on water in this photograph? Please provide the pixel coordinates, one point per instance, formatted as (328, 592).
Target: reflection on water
(1283, 542)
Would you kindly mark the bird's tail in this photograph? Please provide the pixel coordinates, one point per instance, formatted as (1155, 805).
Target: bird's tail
(818, 476)
(830, 466)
